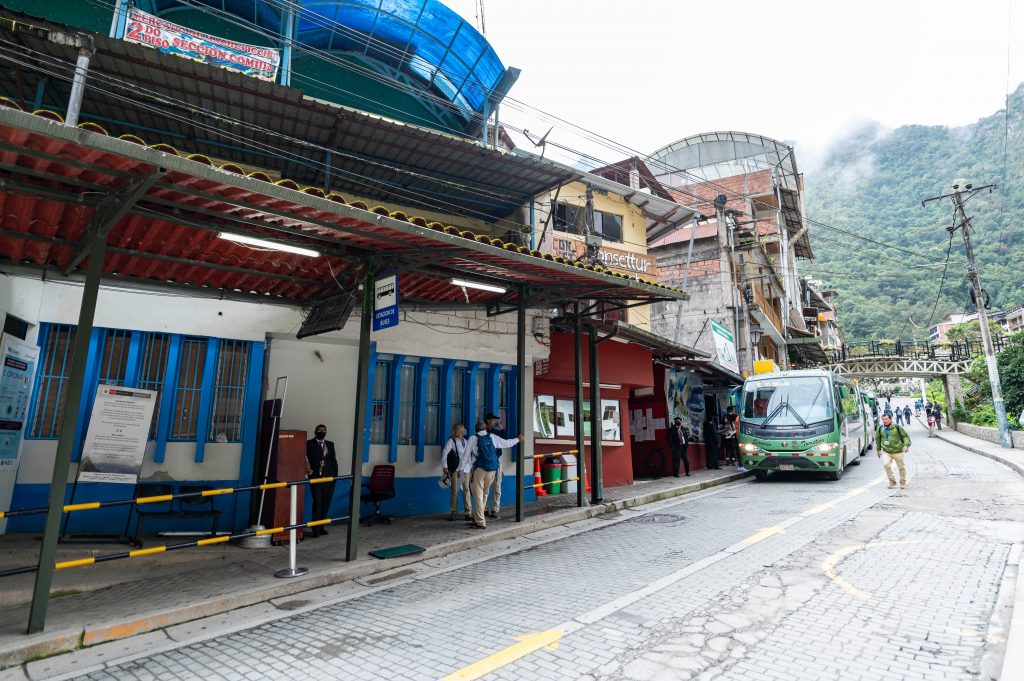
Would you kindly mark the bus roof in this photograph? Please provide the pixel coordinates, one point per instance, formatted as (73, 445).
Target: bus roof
(818, 373)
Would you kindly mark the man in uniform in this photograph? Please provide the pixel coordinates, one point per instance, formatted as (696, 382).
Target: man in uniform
(321, 462)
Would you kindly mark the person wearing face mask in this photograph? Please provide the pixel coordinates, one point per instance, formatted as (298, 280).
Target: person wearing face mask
(321, 462)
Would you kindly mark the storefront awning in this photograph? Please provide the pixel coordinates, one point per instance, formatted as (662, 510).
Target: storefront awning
(165, 217)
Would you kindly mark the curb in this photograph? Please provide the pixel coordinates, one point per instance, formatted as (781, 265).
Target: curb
(63, 641)
(1010, 463)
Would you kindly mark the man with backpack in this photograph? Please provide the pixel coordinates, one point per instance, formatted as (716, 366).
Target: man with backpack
(899, 416)
(483, 449)
(906, 414)
(892, 442)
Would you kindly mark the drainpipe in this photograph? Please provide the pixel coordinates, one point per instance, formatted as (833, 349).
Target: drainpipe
(85, 52)
(533, 223)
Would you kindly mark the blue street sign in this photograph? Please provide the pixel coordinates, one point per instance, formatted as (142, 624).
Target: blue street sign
(385, 302)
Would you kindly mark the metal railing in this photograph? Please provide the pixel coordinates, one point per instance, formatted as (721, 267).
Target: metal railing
(957, 351)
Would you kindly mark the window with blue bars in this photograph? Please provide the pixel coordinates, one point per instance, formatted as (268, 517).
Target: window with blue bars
(113, 368)
(152, 369)
(229, 391)
(191, 363)
(379, 406)
(504, 399)
(456, 401)
(432, 410)
(145, 360)
(57, 342)
(407, 405)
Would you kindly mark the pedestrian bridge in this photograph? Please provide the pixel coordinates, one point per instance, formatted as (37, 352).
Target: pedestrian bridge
(911, 359)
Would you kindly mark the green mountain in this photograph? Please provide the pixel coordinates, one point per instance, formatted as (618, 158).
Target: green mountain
(869, 192)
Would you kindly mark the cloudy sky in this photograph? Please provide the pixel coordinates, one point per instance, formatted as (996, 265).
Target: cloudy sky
(647, 72)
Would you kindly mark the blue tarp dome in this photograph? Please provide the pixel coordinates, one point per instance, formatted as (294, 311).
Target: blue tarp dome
(422, 44)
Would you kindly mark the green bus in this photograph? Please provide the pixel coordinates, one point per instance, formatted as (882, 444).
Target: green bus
(870, 419)
(804, 420)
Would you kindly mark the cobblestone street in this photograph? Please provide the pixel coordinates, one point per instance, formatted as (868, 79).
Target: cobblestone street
(793, 578)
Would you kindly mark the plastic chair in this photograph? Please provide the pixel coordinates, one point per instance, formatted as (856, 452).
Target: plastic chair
(380, 488)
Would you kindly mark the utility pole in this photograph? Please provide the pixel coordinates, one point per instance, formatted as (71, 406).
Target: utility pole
(959, 198)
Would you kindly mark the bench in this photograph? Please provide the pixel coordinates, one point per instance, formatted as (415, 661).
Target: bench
(196, 506)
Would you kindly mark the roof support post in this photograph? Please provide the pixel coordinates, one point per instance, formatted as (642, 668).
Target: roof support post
(112, 208)
(120, 18)
(85, 51)
(581, 486)
(521, 400)
(359, 427)
(596, 465)
(62, 463)
(288, 35)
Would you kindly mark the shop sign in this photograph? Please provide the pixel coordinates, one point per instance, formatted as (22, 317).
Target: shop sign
(385, 302)
(725, 346)
(115, 443)
(612, 258)
(152, 31)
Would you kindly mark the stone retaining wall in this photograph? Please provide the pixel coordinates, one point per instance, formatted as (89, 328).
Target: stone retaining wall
(991, 434)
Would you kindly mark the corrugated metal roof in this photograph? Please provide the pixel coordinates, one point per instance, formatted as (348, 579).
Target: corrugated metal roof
(52, 177)
(370, 155)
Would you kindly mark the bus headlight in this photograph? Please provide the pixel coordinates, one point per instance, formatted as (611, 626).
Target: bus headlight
(826, 446)
(749, 447)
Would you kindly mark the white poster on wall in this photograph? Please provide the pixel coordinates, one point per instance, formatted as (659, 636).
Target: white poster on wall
(19, 360)
(115, 443)
(566, 425)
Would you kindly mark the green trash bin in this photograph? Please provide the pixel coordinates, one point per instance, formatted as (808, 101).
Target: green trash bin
(551, 472)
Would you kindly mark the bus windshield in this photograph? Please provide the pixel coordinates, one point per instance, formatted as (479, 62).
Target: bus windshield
(790, 401)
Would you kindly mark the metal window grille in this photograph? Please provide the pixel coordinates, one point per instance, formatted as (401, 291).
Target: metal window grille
(432, 412)
(58, 343)
(114, 362)
(190, 385)
(455, 403)
(229, 393)
(503, 398)
(480, 398)
(379, 405)
(407, 405)
(153, 370)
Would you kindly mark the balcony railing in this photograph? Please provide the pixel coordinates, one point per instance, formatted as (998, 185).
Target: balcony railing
(955, 350)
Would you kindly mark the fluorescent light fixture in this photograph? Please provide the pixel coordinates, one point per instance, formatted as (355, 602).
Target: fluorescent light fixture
(477, 285)
(269, 245)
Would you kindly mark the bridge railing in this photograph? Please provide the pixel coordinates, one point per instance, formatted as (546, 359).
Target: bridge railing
(958, 350)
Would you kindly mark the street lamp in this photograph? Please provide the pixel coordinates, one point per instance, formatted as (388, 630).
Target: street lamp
(755, 333)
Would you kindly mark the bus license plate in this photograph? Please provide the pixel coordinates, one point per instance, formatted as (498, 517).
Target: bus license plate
(787, 467)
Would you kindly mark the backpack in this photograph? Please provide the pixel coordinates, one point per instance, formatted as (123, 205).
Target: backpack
(486, 455)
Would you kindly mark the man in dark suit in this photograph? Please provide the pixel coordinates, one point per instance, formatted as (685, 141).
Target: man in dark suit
(678, 441)
(321, 462)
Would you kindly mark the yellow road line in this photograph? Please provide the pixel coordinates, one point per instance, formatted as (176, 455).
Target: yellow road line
(828, 565)
(527, 644)
(818, 509)
(763, 534)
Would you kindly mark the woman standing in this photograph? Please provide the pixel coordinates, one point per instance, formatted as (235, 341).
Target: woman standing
(457, 465)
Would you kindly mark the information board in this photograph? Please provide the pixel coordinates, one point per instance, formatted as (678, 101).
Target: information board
(16, 380)
(725, 346)
(115, 443)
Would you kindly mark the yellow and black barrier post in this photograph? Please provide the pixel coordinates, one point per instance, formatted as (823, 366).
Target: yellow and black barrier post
(166, 548)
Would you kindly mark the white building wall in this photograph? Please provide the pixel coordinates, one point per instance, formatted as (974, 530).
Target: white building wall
(320, 389)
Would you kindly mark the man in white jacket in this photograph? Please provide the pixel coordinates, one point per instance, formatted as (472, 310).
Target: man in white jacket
(456, 451)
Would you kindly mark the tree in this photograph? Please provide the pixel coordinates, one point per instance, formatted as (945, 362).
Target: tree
(972, 330)
(1011, 374)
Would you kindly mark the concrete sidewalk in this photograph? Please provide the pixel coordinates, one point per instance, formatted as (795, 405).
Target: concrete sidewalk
(119, 599)
(1013, 661)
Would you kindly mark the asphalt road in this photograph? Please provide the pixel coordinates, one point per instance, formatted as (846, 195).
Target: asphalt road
(794, 578)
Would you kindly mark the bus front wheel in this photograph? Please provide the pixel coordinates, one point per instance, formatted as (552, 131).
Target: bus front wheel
(760, 475)
(836, 474)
